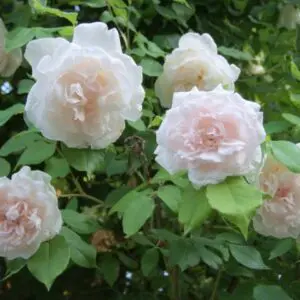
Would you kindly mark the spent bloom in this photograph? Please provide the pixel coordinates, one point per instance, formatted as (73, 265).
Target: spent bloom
(212, 135)
(9, 62)
(279, 216)
(29, 213)
(85, 89)
(195, 62)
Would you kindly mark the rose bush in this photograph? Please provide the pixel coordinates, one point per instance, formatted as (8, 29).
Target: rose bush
(131, 164)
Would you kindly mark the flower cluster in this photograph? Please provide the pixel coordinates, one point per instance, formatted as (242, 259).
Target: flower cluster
(86, 89)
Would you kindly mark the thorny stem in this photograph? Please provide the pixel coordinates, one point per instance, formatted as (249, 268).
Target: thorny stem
(216, 285)
(83, 196)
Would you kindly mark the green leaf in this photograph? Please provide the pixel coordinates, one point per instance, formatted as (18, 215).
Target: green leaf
(90, 3)
(125, 201)
(170, 195)
(272, 292)
(6, 114)
(13, 267)
(127, 261)
(18, 37)
(110, 268)
(162, 176)
(151, 67)
(85, 160)
(79, 222)
(24, 86)
(247, 256)
(40, 8)
(33, 157)
(82, 254)
(137, 213)
(193, 208)
(291, 118)
(235, 199)
(235, 53)
(295, 71)
(287, 153)
(183, 253)
(50, 260)
(4, 167)
(209, 257)
(149, 261)
(282, 247)
(276, 126)
(138, 125)
(19, 142)
(57, 167)
(119, 8)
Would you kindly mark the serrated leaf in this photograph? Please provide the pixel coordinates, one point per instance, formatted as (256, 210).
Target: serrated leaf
(50, 260)
(272, 292)
(291, 118)
(79, 222)
(171, 196)
(24, 86)
(247, 256)
(236, 200)
(110, 268)
(57, 167)
(14, 266)
(287, 153)
(81, 253)
(19, 142)
(151, 67)
(235, 53)
(6, 114)
(137, 213)
(149, 261)
(40, 8)
(193, 208)
(4, 167)
(282, 247)
(183, 253)
(18, 37)
(33, 157)
(85, 160)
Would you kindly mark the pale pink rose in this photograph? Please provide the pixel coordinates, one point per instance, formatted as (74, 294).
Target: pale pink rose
(195, 62)
(9, 62)
(279, 216)
(85, 89)
(29, 213)
(212, 135)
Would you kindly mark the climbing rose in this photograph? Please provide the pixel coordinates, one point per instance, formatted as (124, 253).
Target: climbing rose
(85, 89)
(212, 135)
(194, 63)
(29, 213)
(279, 216)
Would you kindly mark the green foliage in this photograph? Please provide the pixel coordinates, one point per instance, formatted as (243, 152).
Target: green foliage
(132, 230)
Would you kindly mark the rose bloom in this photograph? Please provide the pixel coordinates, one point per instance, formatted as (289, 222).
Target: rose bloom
(194, 63)
(29, 213)
(212, 135)
(289, 16)
(9, 62)
(86, 89)
(279, 216)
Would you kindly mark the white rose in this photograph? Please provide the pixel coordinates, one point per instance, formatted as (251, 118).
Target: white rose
(85, 89)
(289, 16)
(9, 62)
(194, 63)
(29, 213)
(212, 135)
(279, 216)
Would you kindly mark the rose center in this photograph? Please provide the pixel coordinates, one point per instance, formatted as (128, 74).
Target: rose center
(19, 220)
